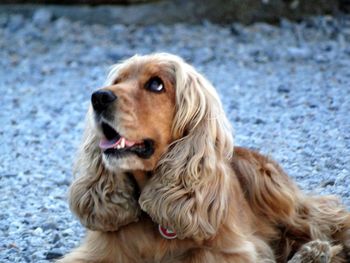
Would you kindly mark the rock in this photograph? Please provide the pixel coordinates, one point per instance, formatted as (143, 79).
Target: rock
(49, 226)
(119, 29)
(62, 24)
(297, 53)
(321, 58)
(38, 231)
(42, 17)
(56, 239)
(67, 232)
(263, 56)
(259, 121)
(283, 89)
(54, 254)
(15, 23)
(327, 183)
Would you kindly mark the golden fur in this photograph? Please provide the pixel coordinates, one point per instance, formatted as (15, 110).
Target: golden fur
(225, 203)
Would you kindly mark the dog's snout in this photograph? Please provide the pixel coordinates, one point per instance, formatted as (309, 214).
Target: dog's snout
(101, 99)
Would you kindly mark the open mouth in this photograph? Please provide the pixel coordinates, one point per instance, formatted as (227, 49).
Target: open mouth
(117, 145)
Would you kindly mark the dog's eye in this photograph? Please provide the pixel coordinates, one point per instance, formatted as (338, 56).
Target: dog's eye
(155, 84)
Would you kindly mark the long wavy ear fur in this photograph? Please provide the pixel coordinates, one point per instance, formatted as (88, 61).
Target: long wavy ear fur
(101, 199)
(189, 190)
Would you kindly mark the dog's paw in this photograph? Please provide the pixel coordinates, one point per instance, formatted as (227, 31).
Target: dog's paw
(316, 251)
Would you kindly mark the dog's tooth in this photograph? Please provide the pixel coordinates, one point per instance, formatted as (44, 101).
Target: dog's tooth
(118, 146)
(122, 143)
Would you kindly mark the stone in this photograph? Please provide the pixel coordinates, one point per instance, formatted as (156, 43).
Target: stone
(53, 254)
(42, 17)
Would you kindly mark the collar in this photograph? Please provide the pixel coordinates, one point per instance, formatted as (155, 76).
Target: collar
(166, 233)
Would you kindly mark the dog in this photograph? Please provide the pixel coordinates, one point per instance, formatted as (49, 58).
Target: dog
(158, 179)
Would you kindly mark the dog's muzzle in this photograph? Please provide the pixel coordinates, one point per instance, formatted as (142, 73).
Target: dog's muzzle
(102, 99)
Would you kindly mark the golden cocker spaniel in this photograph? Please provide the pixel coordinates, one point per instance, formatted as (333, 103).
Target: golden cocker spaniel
(158, 179)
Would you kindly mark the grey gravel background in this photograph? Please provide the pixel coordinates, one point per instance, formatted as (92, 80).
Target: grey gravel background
(286, 89)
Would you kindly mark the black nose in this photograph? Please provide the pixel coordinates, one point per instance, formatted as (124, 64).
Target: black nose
(101, 99)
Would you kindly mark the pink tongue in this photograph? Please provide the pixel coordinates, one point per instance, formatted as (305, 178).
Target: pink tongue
(111, 144)
(108, 144)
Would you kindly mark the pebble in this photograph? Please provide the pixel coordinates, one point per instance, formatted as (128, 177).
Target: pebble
(15, 23)
(49, 226)
(42, 18)
(38, 231)
(54, 254)
(295, 53)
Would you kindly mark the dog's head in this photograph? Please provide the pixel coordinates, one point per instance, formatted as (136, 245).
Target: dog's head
(148, 103)
(133, 114)
(157, 113)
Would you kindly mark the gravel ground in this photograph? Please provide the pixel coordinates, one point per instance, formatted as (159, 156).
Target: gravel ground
(286, 89)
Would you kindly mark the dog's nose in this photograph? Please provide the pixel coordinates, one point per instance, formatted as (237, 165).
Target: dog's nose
(101, 99)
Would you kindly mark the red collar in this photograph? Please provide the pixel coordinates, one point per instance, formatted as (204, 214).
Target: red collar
(166, 233)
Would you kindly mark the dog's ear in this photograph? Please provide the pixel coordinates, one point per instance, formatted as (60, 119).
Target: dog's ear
(189, 190)
(102, 200)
